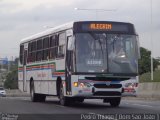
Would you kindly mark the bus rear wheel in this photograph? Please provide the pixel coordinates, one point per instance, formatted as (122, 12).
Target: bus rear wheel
(115, 102)
(63, 100)
(34, 96)
(41, 97)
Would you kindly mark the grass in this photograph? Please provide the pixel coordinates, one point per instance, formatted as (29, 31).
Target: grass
(147, 77)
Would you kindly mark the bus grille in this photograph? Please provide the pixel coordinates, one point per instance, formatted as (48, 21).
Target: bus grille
(107, 93)
(106, 86)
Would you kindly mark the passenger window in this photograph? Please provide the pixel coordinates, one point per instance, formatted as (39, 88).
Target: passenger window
(52, 41)
(46, 42)
(39, 44)
(61, 46)
(45, 54)
(53, 51)
(62, 39)
(61, 51)
(39, 56)
(34, 46)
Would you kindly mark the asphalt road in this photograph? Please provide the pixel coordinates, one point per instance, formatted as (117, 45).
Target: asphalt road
(23, 106)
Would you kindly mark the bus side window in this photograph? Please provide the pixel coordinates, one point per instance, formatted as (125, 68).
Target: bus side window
(21, 53)
(56, 46)
(61, 51)
(45, 48)
(52, 47)
(39, 50)
(29, 50)
(61, 46)
(45, 54)
(33, 51)
(46, 43)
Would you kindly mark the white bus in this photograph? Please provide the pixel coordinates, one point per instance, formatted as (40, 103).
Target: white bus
(79, 60)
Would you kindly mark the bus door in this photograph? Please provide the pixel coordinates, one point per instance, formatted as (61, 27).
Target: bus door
(69, 64)
(24, 67)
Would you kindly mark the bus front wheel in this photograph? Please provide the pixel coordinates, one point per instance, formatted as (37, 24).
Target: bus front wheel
(63, 100)
(115, 102)
(34, 96)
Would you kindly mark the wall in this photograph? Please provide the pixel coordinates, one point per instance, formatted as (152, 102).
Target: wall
(149, 90)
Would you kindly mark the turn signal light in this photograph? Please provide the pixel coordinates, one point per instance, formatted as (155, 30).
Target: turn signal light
(75, 84)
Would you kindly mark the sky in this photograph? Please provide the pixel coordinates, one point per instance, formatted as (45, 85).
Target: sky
(22, 18)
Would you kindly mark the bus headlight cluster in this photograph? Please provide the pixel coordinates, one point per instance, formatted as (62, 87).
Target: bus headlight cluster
(131, 85)
(81, 84)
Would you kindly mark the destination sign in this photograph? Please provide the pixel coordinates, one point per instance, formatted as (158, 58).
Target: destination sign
(96, 26)
(104, 27)
(110, 27)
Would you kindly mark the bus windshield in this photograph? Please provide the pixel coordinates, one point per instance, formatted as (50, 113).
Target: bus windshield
(106, 53)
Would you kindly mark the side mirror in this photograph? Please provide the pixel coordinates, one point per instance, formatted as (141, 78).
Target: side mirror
(70, 45)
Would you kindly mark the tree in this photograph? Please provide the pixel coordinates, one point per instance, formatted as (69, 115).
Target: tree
(12, 77)
(145, 61)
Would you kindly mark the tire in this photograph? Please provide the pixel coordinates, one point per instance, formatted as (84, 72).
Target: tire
(62, 99)
(41, 97)
(36, 97)
(115, 102)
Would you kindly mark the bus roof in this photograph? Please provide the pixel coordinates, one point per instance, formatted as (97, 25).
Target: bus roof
(48, 31)
(59, 28)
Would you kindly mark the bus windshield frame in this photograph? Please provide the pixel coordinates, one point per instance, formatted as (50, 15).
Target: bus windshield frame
(102, 57)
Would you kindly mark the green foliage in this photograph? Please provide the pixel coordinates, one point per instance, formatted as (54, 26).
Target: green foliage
(145, 61)
(146, 77)
(155, 63)
(11, 81)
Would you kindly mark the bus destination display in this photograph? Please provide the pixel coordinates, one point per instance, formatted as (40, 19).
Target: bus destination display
(103, 26)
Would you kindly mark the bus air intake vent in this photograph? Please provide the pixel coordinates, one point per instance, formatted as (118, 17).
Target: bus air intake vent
(106, 86)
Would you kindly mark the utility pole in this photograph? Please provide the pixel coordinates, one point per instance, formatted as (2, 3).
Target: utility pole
(151, 41)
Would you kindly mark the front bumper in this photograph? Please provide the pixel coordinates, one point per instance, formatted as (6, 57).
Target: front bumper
(97, 93)
(129, 92)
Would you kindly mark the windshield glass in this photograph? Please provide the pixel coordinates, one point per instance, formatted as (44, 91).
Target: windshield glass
(106, 53)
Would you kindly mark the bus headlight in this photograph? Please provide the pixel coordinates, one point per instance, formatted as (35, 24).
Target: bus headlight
(84, 85)
(81, 84)
(130, 85)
